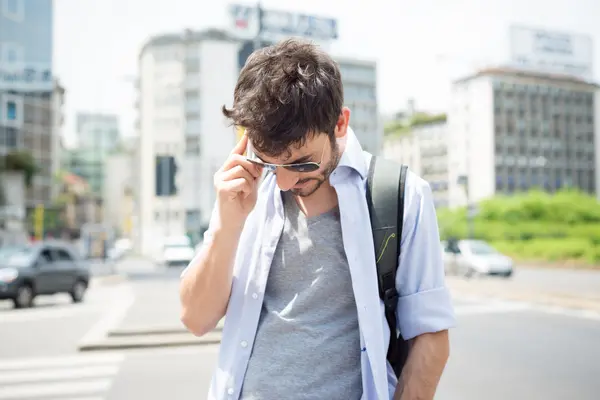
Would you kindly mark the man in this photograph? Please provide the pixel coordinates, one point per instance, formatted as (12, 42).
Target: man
(288, 258)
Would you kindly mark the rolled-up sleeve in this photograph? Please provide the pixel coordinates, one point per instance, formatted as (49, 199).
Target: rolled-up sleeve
(424, 305)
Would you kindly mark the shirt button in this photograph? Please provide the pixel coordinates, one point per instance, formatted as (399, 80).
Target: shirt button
(254, 296)
(230, 391)
(244, 343)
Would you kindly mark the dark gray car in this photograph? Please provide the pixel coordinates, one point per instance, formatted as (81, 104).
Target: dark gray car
(40, 269)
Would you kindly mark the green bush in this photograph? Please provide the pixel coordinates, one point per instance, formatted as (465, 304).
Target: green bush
(534, 226)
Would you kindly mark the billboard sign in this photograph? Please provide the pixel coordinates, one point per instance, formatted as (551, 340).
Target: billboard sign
(552, 52)
(30, 77)
(278, 24)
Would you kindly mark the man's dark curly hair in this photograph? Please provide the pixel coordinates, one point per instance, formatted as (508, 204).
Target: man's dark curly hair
(286, 93)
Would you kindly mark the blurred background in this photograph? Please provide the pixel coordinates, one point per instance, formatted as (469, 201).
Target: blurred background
(111, 131)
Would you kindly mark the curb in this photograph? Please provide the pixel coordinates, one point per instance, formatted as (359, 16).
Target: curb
(151, 341)
(155, 330)
(534, 297)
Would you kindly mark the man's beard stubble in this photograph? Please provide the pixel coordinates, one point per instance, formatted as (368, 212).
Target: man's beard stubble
(327, 171)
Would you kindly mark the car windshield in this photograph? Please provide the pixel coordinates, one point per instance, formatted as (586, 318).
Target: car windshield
(16, 256)
(481, 248)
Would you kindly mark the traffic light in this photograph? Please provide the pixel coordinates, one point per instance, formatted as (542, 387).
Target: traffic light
(166, 171)
(172, 188)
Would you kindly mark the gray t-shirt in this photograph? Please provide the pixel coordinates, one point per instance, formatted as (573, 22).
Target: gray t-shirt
(307, 344)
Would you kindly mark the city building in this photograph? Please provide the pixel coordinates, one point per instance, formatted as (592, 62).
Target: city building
(31, 99)
(184, 79)
(512, 130)
(117, 194)
(424, 148)
(359, 78)
(97, 137)
(98, 131)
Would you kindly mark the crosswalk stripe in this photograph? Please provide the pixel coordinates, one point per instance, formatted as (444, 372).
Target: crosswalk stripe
(62, 389)
(38, 376)
(63, 361)
(78, 398)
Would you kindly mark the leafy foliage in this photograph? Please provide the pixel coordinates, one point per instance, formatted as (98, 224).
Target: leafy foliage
(20, 161)
(400, 128)
(534, 225)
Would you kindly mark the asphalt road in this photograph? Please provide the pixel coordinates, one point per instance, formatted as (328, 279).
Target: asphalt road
(501, 350)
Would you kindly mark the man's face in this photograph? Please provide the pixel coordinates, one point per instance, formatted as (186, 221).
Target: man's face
(317, 149)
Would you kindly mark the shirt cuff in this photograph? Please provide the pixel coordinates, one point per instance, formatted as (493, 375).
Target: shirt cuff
(425, 312)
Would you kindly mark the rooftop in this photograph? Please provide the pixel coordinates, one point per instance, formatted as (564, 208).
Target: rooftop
(523, 73)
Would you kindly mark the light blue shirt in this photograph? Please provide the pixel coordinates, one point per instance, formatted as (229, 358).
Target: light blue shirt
(424, 305)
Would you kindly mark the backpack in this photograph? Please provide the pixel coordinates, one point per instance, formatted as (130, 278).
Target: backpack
(385, 198)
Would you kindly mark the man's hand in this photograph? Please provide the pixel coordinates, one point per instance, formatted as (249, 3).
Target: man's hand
(426, 362)
(236, 183)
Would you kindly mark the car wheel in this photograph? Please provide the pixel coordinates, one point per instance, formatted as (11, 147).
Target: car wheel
(78, 291)
(24, 297)
(508, 274)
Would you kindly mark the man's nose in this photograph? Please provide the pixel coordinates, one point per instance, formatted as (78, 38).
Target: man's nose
(286, 179)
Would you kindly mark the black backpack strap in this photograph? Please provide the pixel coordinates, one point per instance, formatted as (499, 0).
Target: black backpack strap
(385, 198)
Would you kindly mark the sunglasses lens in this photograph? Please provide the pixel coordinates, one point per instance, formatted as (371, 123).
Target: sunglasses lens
(309, 167)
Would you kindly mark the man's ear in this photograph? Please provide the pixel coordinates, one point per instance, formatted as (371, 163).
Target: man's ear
(341, 127)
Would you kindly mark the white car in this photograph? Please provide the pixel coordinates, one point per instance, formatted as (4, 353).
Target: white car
(475, 257)
(177, 251)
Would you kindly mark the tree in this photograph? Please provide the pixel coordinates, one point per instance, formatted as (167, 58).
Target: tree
(20, 160)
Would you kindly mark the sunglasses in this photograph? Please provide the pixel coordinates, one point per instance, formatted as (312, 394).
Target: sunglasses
(296, 167)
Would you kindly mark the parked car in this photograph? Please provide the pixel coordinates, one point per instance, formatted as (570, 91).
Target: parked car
(475, 257)
(177, 250)
(42, 268)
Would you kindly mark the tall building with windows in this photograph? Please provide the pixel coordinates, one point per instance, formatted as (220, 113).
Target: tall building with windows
(30, 99)
(185, 78)
(424, 148)
(97, 136)
(359, 78)
(512, 130)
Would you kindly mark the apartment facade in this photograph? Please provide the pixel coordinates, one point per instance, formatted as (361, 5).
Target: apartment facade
(513, 130)
(359, 78)
(181, 91)
(424, 149)
(30, 99)
(97, 137)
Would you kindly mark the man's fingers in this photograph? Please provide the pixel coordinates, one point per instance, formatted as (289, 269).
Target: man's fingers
(240, 147)
(237, 172)
(235, 187)
(236, 159)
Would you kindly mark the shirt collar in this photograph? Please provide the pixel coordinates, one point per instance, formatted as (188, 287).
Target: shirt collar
(353, 156)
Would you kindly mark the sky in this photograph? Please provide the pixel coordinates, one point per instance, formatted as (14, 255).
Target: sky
(419, 45)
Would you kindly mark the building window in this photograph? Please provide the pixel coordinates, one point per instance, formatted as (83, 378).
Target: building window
(11, 52)
(11, 111)
(14, 10)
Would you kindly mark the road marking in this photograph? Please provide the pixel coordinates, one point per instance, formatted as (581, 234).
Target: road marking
(491, 308)
(58, 306)
(63, 373)
(112, 318)
(62, 361)
(29, 391)
(76, 377)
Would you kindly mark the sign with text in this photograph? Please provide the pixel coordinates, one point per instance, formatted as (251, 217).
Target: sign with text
(26, 77)
(552, 52)
(278, 24)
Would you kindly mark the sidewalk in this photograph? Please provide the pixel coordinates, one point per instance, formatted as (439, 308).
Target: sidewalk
(499, 288)
(150, 320)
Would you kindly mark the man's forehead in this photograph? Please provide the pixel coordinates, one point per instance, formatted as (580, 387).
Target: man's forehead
(294, 151)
